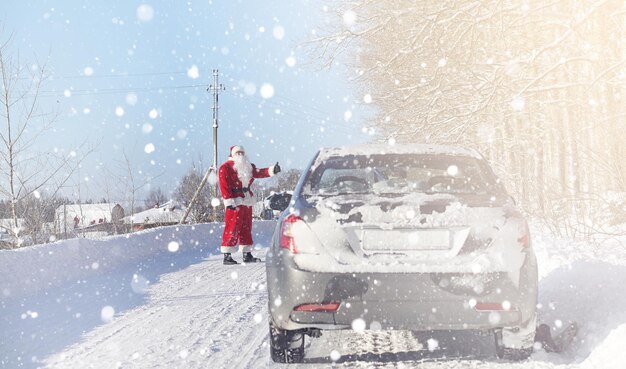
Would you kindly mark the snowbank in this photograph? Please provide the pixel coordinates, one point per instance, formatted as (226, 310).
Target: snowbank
(203, 313)
(29, 270)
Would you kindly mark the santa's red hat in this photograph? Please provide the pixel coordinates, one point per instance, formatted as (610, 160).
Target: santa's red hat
(235, 148)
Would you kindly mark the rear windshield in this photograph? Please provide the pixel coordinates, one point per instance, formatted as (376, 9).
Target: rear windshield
(401, 174)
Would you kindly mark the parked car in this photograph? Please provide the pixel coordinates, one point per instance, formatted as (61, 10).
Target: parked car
(409, 237)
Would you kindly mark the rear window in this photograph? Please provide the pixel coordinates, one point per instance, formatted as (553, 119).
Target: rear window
(400, 174)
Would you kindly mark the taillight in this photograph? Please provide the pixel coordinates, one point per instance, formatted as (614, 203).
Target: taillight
(326, 308)
(287, 233)
(524, 239)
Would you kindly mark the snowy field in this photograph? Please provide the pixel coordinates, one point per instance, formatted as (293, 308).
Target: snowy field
(163, 299)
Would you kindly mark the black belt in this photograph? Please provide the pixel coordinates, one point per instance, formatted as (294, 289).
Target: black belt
(244, 189)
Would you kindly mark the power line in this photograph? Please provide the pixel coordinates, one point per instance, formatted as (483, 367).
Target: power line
(118, 75)
(86, 92)
(53, 77)
(299, 114)
(290, 107)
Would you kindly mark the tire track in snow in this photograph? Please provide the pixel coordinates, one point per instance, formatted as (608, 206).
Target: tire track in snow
(177, 328)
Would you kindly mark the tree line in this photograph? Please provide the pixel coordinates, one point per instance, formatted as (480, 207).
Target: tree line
(537, 87)
(36, 214)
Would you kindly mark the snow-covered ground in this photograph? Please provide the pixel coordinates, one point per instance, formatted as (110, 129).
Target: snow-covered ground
(163, 299)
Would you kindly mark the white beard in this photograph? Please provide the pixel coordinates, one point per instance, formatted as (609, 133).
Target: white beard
(244, 169)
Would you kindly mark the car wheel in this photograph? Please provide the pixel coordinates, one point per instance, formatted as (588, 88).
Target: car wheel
(286, 346)
(513, 354)
(516, 344)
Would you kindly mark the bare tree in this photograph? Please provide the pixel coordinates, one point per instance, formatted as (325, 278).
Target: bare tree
(201, 210)
(132, 184)
(155, 198)
(285, 181)
(24, 171)
(537, 87)
(38, 212)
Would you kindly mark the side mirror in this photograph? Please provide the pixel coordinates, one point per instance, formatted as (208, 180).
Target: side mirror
(279, 201)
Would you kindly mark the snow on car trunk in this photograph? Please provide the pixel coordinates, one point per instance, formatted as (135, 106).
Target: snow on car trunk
(405, 234)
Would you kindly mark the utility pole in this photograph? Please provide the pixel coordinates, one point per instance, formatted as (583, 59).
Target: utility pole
(216, 88)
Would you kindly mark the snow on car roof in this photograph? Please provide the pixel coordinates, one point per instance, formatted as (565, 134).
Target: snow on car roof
(386, 148)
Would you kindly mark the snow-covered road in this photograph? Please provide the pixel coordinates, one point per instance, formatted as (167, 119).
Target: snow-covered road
(181, 308)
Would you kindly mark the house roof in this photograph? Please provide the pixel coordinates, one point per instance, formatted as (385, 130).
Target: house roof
(87, 213)
(169, 212)
(86, 208)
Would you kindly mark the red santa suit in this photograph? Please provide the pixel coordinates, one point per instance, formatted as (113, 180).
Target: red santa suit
(235, 187)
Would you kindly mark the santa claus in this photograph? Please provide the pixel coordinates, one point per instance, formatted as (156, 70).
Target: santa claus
(236, 176)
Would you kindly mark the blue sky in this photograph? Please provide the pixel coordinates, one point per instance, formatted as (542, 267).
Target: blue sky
(131, 77)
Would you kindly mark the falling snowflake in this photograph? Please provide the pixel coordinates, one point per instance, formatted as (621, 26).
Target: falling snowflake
(453, 170)
(347, 115)
(193, 72)
(146, 128)
(278, 32)
(278, 301)
(149, 148)
(172, 246)
(358, 325)
(131, 99)
(107, 313)
(145, 13)
(213, 181)
(267, 91)
(433, 344)
(349, 18)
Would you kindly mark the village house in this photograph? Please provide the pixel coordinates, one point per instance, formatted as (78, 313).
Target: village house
(71, 220)
(169, 213)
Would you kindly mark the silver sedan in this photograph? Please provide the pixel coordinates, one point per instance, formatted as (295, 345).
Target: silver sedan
(411, 237)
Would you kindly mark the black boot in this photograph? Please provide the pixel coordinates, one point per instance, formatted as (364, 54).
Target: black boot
(228, 260)
(248, 258)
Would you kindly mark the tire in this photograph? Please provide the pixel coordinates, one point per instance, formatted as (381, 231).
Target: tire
(516, 343)
(286, 346)
(511, 353)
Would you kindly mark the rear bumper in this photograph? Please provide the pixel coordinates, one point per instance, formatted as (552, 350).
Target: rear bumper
(415, 301)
